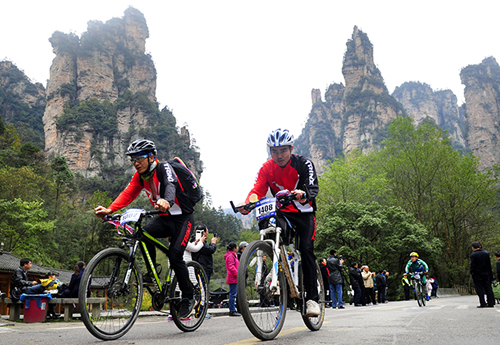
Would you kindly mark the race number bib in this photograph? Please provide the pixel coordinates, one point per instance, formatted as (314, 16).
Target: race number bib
(131, 215)
(265, 208)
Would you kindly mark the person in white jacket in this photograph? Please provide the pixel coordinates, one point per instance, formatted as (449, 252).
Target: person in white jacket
(191, 247)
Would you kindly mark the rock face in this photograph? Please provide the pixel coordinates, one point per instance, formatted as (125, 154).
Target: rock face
(22, 103)
(101, 95)
(482, 109)
(352, 116)
(357, 115)
(440, 107)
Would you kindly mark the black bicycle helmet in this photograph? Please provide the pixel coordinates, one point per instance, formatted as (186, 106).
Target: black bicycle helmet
(141, 146)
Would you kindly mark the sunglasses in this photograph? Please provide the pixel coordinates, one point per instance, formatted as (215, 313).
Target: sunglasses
(138, 158)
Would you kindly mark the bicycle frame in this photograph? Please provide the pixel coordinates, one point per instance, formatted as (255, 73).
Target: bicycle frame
(140, 239)
(279, 260)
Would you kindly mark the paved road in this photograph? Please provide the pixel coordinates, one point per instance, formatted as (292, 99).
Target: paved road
(452, 320)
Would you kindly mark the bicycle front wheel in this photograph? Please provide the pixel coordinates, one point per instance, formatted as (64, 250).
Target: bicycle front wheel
(418, 293)
(115, 302)
(199, 280)
(262, 309)
(314, 323)
(422, 294)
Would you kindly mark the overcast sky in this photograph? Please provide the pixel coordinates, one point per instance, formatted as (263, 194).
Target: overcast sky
(235, 70)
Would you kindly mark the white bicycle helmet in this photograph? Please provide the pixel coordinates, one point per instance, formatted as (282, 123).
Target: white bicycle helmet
(280, 137)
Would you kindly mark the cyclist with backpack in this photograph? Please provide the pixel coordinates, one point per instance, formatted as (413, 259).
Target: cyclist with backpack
(418, 265)
(287, 171)
(159, 181)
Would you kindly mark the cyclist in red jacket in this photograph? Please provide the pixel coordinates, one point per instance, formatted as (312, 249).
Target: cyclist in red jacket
(290, 171)
(176, 221)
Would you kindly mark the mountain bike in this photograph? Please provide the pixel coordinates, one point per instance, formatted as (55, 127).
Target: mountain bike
(114, 273)
(418, 288)
(267, 277)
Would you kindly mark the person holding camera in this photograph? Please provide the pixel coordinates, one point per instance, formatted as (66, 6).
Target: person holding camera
(204, 255)
(335, 281)
(368, 283)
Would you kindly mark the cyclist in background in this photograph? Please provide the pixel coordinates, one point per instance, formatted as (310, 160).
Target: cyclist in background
(176, 221)
(287, 171)
(418, 265)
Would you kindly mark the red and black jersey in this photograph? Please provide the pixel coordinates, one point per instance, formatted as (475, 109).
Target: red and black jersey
(298, 172)
(155, 189)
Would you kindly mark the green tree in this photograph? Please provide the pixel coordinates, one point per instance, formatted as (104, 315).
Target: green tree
(353, 177)
(373, 234)
(21, 223)
(63, 178)
(444, 189)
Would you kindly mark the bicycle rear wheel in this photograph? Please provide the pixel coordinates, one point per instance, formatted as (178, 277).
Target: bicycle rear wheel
(105, 276)
(314, 323)
(198, 278)
(263, 310)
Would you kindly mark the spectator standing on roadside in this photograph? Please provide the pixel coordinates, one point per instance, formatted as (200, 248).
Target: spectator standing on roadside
(324, 275)
(356, 281)
(381, 286)
(362, 286)
(204, 256)
(406, 286)
(482, 276)
(241, 248)
(368, 283)
(335, 280)
(434, 285)
(232, 274)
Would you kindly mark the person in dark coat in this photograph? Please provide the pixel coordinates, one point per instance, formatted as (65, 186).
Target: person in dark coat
(19, 281)
(356, 281)
(482, 275)
(381, 281)
(335, 280)
(74, 283)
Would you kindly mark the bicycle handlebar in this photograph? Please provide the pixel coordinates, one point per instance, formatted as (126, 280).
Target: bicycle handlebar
(283, 199)
(119, 215)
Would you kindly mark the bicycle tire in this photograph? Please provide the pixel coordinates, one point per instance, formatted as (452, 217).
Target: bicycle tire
(314, 323)
(198, 278)
(419, 294)
(422, 294)
(266, 316)
(415, 290)
(117, 315)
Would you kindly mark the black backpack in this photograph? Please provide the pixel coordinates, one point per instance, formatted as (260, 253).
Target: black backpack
(187, 180)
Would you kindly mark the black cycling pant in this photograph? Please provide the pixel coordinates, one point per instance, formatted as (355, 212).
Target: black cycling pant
(178, 228)
(305, 224)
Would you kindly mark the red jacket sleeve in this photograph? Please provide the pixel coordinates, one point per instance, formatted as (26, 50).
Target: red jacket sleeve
(261, 183)
(128, 195)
